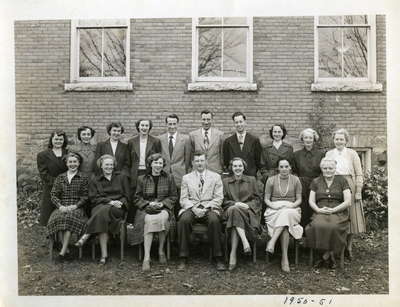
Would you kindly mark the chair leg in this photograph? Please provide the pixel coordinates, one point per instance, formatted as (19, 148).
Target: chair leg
(94, 249)
(296, 252)
(122, 237)
(311, 259)
(226, 245)
(342, 258)
(51, 246)
(168, 248)
(255, 252)
(140, 252)
(211, 253)
(80, 252)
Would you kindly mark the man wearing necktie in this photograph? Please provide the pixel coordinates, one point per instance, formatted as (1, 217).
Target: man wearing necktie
(243, 145)
(201, 199)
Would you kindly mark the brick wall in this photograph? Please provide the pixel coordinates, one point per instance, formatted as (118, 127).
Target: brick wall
(283, 53)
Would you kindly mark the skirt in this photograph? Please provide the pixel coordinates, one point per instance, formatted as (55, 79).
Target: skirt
(239, 217)
(156, 222)
(105, 218)
(73, 221)
(357, 219)
(285, 217)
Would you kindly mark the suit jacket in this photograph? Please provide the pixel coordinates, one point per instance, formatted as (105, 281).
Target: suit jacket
(245, 191)
(210, 196)
(121, 156)
(179, 164)
(215, 160)
(250, 153)
(270, 157)
(153, 146)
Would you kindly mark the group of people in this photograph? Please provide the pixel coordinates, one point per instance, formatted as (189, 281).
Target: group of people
(165, 184)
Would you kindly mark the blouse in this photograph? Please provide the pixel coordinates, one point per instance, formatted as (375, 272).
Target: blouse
(272, 188)
(306, 162)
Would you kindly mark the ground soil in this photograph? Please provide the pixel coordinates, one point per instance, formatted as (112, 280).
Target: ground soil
(366, 274)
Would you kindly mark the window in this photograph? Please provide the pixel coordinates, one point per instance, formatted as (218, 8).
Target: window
(345, 53)
(99, 55)
(365, 157)
(222, 54)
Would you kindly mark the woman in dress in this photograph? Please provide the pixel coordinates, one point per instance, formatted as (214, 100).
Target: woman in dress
(274, 151)
(349, 166)
(50, 165)
(306, 166)
(330, 198)
(114, 147)
(85, 149)
(109, 195)
(69, 195)
(283, 213)
(155, 198)
(242, 208)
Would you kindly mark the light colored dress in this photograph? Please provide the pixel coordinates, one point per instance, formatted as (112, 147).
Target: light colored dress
(283, 190)
(349, 166)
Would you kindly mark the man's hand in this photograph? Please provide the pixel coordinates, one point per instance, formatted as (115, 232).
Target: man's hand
(198, 212)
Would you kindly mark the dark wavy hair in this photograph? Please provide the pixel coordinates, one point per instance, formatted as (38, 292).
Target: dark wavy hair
(238, 114)
(154, 157)
(207, 112)
(116, 125)
(282, 126)
(82, 128)
(171, 116)
(58, 132)
(142, 119)
(237, 159)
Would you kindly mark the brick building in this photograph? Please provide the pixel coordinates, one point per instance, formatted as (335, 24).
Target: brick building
(275, 69)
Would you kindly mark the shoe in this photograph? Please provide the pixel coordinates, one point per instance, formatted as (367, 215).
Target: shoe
(162, 258)
(232, 267)
(285, 267)
(221, 266)
(269, 249)
(146, 265)
(182, 265)
(247, 251)
(60, 258)
(349, 254)
(332, 264)
(82, 240)
(319, 263)
(103, 260)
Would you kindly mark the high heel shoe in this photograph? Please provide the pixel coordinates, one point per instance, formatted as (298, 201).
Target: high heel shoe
(232, 267)
(349, 254)
(269, 249)
(285, 267)
(103, 260)
(146, 265)
(82, 240)
(247, 251)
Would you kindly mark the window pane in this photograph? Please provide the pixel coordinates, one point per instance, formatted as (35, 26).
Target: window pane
(90, 53)
(235, 47)
(355, 52)
(210, 21)
(330, 20)
(114, 52)
(210, 52)
(235, 21)
(329, 47)
(356, 19)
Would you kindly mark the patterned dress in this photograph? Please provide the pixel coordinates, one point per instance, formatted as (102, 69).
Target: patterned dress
(88, 152)
(328, 232)
(284, 217)
(64, 193)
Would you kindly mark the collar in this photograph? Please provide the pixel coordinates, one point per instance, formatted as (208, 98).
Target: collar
(113, 142)
(203, 173)
(173, 135)
(101, 176)
(203, 131)
(243, 134)
(244, 178)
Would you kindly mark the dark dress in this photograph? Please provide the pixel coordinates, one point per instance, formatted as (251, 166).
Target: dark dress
(246, 191)
(306, 166)
(270, 157)
(106, 218)
(328, 232)
(49, 167)
(64, 193)
(147, 191)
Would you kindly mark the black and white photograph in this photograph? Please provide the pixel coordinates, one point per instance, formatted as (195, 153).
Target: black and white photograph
(238, 154)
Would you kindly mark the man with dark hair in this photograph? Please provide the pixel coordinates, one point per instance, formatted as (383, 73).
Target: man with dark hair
(201, 199)
(209, 140)
(243, 145)
(176, 150)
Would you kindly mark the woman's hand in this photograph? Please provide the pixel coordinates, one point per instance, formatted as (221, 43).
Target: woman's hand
(71, 208)
(242, 205)
(325, 210)
(116, 203)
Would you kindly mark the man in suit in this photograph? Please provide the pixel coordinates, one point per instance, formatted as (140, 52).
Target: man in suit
(113, 146)
(209, 140)
(175, 148)
(201, 199)
(243, 145)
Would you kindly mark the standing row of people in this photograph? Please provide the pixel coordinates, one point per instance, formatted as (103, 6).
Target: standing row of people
(176, 150)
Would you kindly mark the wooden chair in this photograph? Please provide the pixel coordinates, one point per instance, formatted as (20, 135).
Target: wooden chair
(167, 243)
(53, 239)
(341, 263)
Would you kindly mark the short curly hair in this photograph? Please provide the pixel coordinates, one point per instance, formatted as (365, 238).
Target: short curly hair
(58, 132)
(282, 126)
(143, 119)
(83, 128)
(237, 159)
(342, 131)
(311, 131)
(100, 160)
(116, 125)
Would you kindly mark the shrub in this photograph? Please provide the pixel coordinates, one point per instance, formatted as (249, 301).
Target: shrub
(375, 200)
(29, 190)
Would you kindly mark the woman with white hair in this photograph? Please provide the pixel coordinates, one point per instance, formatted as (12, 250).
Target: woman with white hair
(306, 166)
(349, 166)
(330, 198)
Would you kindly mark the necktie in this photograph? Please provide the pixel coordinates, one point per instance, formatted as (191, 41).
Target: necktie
(206, 140)
(170, 146)
(241, 141)
(201, 183)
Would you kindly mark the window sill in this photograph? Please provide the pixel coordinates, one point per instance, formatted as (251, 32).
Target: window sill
(221, 86)
(98, 86)
(351, 86)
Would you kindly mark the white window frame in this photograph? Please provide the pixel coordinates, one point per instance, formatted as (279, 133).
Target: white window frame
(366, 160)
(222, 83)
(367, 84)
(78, 83)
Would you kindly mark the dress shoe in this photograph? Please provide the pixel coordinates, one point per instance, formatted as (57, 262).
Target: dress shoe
(60, 258)
(285, 267)
(162, 258)
(221, 266)
(247, 251)
(82, 240)
(332, 264)
(232, 267)
(349, 254)
(146, 265)
(182, 265)
(103, 260)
